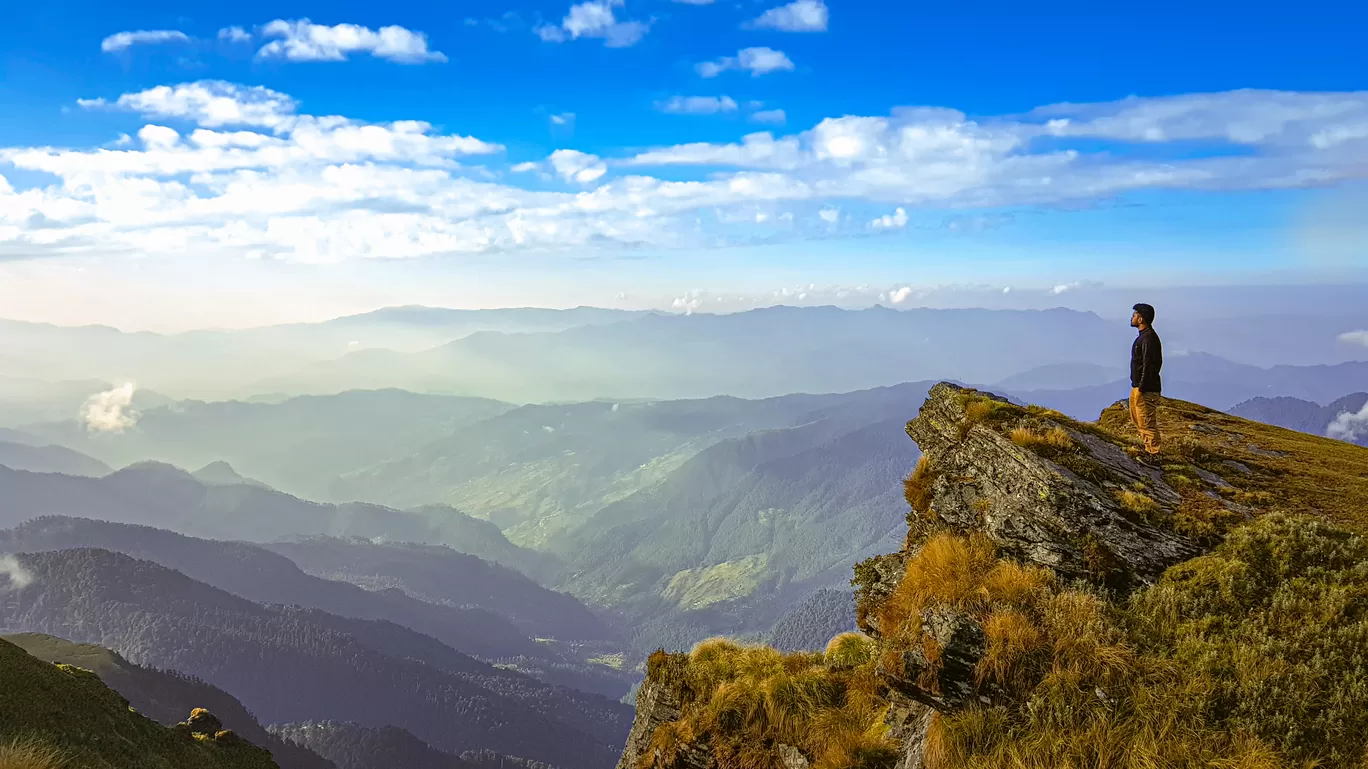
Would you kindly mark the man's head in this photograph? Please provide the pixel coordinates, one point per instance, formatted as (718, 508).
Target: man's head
(1142, 315)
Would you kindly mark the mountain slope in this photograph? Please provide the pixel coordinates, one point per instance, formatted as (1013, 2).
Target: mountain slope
(166, 697)
(440, 575)
(92, 726)
(811, 624)
(540, 471)
(291, 665)
(167, 497)
(221, 473)
(352, 746)
(49, 459)
(262, 576)
(745, 530)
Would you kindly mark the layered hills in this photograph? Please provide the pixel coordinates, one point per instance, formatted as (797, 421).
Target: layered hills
(1344, 418)
(292, 664)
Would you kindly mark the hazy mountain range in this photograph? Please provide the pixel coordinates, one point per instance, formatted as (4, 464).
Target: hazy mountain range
(582, 354)
(1344, 418)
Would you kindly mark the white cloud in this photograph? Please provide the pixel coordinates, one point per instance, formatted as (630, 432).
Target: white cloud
(235, 35)
(1064, 288)
(16, 576)
(595, 19)
(757, 61)
(302, 40)
(829, 215)
(563, 119)
(798, 16)
(894, 221)
(211, 103)
(769, 116)
(1349, 426)
(238, 171)
(109, 411)
(1355, 337)
(522, 168)
(123, 40)
(697, 105)
(757, 150)
(573, 165)
(900, 295)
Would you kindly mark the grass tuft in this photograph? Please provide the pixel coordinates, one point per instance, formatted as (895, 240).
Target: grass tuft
(918, 488)
(1135, 502)
(29, 753)
(741, 702)
(1056, 439)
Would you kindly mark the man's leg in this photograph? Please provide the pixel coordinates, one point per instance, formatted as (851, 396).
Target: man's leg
(1135, 407)
(1147, 411)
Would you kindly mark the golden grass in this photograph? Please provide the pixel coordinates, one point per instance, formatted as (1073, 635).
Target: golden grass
(849, 650)
(30, 754)
(917, 487)
(1054, 439)
(1136, 502)
(741, 701)
(1295, 472)
(1252, 656)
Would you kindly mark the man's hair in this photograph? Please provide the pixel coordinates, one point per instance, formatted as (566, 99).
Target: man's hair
(1146, 312)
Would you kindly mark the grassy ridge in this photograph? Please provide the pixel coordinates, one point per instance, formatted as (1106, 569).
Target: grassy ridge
(68, 710)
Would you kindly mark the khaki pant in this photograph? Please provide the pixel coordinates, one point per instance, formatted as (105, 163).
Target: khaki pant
(1144, 411)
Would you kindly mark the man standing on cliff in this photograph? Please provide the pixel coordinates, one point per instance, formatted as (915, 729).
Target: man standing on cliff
(1147, 357)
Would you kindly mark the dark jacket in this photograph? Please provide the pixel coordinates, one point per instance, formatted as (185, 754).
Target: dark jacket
(1147, 357)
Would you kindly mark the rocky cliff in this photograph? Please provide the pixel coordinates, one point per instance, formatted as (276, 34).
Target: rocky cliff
(1061, 600)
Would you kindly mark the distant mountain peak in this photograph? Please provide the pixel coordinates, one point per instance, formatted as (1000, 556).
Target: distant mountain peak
(220, 473)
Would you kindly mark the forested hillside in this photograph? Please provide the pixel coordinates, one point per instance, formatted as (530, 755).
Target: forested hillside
(58, 715)
(289, 665)
(167, 697)
(260, 575)
(440, 575)
(745, 530)
(814, 622)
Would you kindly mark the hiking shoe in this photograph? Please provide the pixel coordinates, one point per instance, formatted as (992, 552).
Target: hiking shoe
(1150, 460)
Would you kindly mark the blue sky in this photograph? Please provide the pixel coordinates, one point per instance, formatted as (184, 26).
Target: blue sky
(167, 165)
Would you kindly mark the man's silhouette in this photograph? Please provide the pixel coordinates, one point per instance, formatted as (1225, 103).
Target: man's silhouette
(1147, 357)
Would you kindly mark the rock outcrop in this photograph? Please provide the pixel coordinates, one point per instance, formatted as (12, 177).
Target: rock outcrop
(1065, 510)
(657, 703)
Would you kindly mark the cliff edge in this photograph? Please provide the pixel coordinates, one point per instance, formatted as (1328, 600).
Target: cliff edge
(1059, 602)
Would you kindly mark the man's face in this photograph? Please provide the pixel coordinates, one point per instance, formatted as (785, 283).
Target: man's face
(1136, 320)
